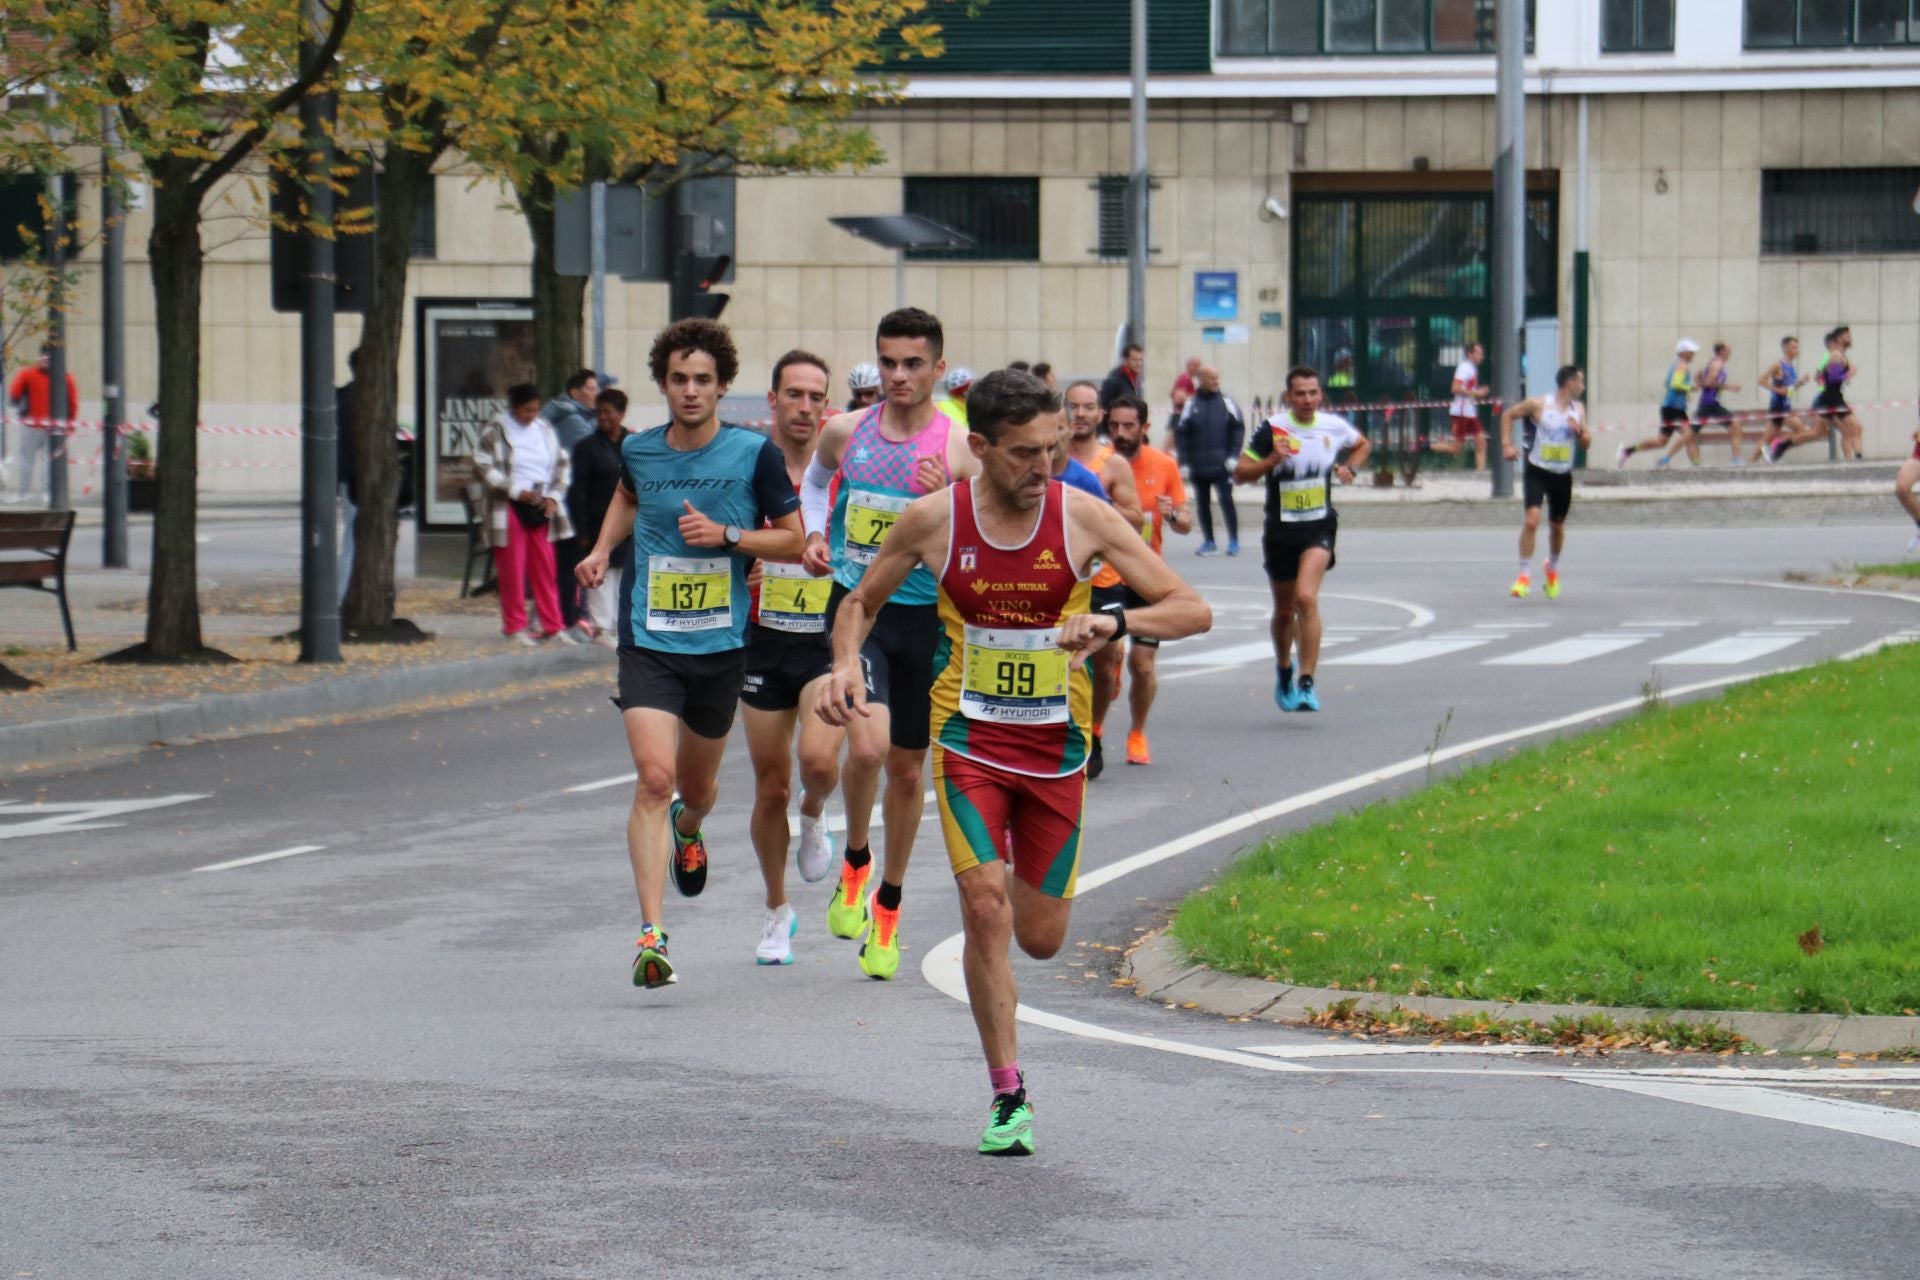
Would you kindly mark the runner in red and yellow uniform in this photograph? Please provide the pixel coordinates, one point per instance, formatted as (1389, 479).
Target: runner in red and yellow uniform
(1011, 702)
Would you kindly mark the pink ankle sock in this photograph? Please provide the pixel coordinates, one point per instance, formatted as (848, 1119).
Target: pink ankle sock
(1005, 1079)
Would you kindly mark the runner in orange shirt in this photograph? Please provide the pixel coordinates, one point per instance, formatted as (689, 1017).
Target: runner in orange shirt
(1163, 502)
(1083, 446)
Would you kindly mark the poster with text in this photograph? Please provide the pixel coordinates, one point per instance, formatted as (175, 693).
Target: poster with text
(470, 355)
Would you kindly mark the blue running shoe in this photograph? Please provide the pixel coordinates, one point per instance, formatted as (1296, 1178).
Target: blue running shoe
(1233, 546)
(1308, 700)
(1206, 548)
(1284, 695)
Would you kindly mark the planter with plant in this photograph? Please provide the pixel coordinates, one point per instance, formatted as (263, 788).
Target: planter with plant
(143, 482)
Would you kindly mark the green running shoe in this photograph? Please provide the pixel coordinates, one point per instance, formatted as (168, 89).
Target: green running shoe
(651, 968)
(1010, 1127)
(847, 909)
(689, 855)
(880, 953)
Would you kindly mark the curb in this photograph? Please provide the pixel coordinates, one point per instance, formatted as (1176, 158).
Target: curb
(1161, 971)
(53, 742)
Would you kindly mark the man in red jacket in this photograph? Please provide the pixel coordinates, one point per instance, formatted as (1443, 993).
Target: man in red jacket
(32, 397)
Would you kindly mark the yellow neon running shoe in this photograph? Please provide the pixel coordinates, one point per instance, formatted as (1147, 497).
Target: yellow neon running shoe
(847, 909)
(1522, 587)
(880, 953)
(1553, 584)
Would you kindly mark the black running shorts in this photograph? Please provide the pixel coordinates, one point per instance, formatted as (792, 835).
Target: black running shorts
(1284, 544)
(782, 663)
(1552, 488)
(898, 658)
(701, 688)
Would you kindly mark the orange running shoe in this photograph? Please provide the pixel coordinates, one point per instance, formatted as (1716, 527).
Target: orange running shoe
(1137, 752)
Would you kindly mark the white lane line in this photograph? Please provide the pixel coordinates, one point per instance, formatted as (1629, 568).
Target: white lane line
(1511, 626)
(275, 856)
(1232, 656)
(1659, 625)
(1811, 622)
(1354, 1049)
(625, 779)
(1729, 651)
(1563, 652)
(79, 815)
(1395, 655)
(1808, 586)
(1859, 1118)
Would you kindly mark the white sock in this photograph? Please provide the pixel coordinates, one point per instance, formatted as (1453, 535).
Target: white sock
(1526, 567)
(807, 825)
(1548, 564)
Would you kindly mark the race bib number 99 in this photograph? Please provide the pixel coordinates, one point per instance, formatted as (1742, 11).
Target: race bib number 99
(689, 595)
(1014, 677)
(870, 518)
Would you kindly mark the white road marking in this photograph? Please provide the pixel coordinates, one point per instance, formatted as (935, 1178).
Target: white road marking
(1511, 626)
(1811, 622)
(1661, 625)
(1563, 652)
(1395, 655)
(1867, 1121)
(1729, 651)
(1357, 1049)
(625, 779)
(1232, 656)
(275, 856)
(82, 815)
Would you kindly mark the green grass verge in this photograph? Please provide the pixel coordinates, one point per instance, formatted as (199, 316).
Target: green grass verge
(1904, 569)
(1681, 859)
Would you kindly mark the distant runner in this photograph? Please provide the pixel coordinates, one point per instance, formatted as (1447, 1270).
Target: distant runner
(1156, 479)
(1712, 382)
(1298, 455)
(1557, 427)
(1903, 484)
(1012, 701)
(1116, 479)
(1676, 425)
(1781, 379)
(1833, 374)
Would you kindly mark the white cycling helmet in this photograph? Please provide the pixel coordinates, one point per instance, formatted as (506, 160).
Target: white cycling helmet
(863, 376)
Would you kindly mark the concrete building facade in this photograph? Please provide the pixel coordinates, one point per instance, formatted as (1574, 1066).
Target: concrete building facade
(1717, 209)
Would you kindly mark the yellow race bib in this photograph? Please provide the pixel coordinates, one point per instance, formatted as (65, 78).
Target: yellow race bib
(870, 518)
(1303, 500)
(1014, 676)
(791, 599)
(1552, 455)
(685, 594)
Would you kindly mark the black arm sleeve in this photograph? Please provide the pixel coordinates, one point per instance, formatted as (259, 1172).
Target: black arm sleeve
(771, 486)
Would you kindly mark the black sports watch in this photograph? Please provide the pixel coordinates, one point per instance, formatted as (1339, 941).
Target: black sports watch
(1119, 615)
(731, 536)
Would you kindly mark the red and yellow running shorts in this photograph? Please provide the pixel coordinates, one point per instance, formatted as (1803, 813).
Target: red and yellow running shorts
(989, 814)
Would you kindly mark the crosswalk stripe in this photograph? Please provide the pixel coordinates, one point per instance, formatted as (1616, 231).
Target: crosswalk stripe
(1406, 651)
(1563, 652)
(1729, 651)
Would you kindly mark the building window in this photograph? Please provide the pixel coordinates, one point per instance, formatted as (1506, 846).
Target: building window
(1636, 26)
(1839, 211)
(1366, 28)
(1831, 24)
(1002, 215)
(426, 221)
(1111, 234)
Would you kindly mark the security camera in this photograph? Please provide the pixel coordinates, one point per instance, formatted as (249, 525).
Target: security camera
(1272, 210)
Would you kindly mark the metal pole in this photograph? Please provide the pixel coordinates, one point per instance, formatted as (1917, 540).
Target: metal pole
(58, 409)
(1582, 265)
(1137, 184)
(1509, 218)
(899, 278)
(113, 346)
(597, 238)
(319, 493)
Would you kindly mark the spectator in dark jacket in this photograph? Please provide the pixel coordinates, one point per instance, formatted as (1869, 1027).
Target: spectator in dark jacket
(571, 415)
(1125, 378)
(1208, 437)
(597, 470)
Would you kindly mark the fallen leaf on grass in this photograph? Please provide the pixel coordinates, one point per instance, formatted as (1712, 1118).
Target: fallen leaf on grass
(1811, 942)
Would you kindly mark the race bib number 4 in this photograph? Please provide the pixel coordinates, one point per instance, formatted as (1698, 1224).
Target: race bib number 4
(1014, 677)
(689, 595)
(791, 599)
(1303, 500)
(870, 518)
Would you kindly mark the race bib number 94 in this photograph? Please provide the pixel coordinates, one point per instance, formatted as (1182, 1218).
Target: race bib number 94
(870, 518)
(1014, 677)
(1303, 500)
(689, 595)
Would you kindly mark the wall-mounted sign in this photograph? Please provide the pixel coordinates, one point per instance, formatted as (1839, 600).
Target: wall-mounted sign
(1216, 295)
(1270, 320)
(1232, 335)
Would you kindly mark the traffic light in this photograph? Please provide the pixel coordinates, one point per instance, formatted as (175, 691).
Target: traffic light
(696, 268)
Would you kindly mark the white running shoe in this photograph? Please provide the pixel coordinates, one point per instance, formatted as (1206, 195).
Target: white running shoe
(1620, 459)
(776, 937)
(816, 848)
(1914, 545)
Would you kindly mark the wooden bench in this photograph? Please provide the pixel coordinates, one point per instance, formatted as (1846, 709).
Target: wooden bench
(44, 535)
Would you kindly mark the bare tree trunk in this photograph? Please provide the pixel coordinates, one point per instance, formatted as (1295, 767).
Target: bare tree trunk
(558, 301)
(173, 589)
(370, 605)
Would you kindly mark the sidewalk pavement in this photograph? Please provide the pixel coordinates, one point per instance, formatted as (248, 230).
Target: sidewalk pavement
(1161, 971)
(82, 708)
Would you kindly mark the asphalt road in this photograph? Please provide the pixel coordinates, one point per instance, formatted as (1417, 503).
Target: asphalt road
(413, 1050)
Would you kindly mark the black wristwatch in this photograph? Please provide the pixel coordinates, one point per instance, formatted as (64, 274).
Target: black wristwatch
(1119, 615)
(731, 536)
